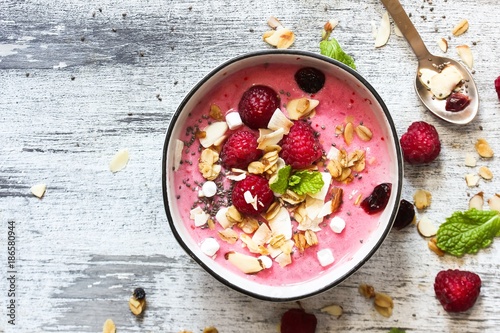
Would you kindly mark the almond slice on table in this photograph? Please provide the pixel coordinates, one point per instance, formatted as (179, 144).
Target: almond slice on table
(494, 202)
(38, 190)
(334, 310)
(443, 44)
(383, 31)
(422, 199)
(426, 227)
(477, 201)
(465, 53)
(119, 161)
(109, 326)
(280, 37)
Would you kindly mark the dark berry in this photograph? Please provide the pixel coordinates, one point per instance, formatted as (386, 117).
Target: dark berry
(258, 188)
(298, 321)
(457, 290)
(406, 215)
(420, 144)
(300, 148)
(239, 150)
(378, 199)
(139, 293)
(257, 105)
(310, 79)
(457, 102)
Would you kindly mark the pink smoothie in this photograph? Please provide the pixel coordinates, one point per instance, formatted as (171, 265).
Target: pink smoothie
(338, 102)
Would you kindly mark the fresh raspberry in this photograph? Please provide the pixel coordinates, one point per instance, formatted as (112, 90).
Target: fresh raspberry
(300, 147)
(420, 143)
(257, 106)
(298, 321)
(497, 86)
(258, 187)
(457, 290)
(239, 150)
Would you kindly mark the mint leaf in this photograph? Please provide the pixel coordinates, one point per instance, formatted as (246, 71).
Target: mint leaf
(303, 182)
(331, 48)
(468, 232)
(280, 184)
(396, 330)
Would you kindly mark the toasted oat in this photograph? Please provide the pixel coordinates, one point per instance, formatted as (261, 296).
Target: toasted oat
(280, 37)
(136, 305)
(109, 326)
(364, 133)
(432, 244)
(460, 28)
(277, 241)
(311, 238)
(348, 133)
(483, 148)
(485, 173)
(207, 164)
(300, 241)
(366, 290)
(383, 300)
(386, 312)
(233, 215)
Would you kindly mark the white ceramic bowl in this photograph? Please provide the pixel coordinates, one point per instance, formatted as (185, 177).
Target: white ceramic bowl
(331, 277)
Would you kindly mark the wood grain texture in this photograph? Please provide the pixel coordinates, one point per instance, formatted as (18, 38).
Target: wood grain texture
(80, 80)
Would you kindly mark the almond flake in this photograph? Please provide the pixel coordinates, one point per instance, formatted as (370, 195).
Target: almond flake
(470, 160)
(471, 180)
(334, 310)
(213, 133)
(301, 107)
(477, 201)
(281, 37)
(38, 190)
(465, 53)
(426, 228)
(383, 31)
(422, 199)
(494, 202)
(119, 161)
(229, 236)
(247, 264)
(443, 83)
(443, 44)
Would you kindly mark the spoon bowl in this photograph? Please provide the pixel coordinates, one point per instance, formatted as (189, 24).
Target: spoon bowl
(428, 61)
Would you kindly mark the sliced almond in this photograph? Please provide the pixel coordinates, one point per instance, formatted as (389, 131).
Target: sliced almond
(471, 180)
(432, 244)
(494, 202)
(477, 201)
(280, 37)
(301, 107)
(213, 133)
(383, 300)
(109, 326)
(443, 83)
(470, 160)
(386, 312)
(397, 31)
(460, 28)
(245, 263)
(119, 161)
(229, 236)
(425, 75)
(38, 190)
(443, 44)
(383, 31)
(334, 310)
(485, 173)
(426, 227)
(136, 306)
(483, 148)
(465, 53)
(422, 199)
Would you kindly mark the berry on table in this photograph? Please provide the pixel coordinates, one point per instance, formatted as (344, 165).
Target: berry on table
(310, 79)
(497, 86)
(406, 214)
(298, 321)
(300, 148)
(457, 290)
(259, 196)
(420, 144)
(239, 150)
(257, 105)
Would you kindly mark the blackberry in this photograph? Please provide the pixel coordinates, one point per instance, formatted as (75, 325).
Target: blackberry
(310, 79)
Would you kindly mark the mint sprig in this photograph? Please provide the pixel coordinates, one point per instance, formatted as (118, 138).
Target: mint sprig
(300, 182)
(331, 48)
(469, 231)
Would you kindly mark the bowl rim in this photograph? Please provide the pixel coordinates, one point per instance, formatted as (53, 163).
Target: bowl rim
(392, 130)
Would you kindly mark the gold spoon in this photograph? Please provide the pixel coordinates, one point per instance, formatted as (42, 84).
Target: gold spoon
(428, 61)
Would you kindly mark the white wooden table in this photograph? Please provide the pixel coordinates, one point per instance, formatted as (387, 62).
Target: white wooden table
(80, 80)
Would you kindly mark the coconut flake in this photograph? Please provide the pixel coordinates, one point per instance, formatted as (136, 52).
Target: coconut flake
(281, 224)
(213, 133)
(280, 121)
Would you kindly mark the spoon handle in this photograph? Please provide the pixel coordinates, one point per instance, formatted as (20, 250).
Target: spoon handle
(407, 28)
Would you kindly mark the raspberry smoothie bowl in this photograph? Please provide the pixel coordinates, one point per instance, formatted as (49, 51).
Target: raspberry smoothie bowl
(282, 173)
